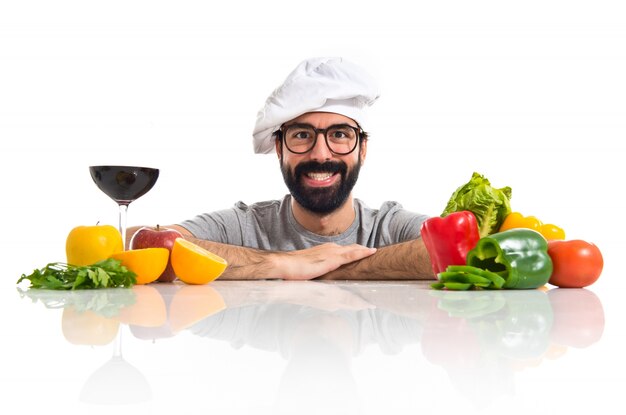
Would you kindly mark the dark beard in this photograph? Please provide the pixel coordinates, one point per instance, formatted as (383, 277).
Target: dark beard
(321, 200)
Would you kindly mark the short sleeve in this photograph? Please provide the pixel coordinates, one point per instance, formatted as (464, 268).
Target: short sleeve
(391, 224)
(224, 226)
(405, 225)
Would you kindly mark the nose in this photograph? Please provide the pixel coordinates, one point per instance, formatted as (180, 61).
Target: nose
(320, 150)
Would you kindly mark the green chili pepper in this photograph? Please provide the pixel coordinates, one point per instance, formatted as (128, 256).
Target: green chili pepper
(464, 277)
(520, 256)
(492, 277)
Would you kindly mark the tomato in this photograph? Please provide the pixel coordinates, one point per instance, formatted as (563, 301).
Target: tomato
(576, 263)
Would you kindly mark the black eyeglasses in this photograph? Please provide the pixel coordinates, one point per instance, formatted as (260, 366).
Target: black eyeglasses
(341, 139)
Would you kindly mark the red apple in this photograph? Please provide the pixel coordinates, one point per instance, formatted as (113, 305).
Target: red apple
(157, 237)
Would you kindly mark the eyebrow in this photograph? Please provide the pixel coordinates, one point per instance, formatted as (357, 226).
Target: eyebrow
(305, 125)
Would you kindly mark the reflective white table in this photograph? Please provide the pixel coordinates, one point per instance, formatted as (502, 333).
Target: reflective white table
(311, 347)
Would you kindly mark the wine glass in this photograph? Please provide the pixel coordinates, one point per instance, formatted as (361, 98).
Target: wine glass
(124, 184)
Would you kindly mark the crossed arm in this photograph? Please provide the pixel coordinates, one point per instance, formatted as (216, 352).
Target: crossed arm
(402, 261)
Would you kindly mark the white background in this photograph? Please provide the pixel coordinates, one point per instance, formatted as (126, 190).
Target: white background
(530, 94)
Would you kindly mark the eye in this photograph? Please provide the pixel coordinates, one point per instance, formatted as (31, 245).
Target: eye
(302, 134)
(298, 133)
(343, 133)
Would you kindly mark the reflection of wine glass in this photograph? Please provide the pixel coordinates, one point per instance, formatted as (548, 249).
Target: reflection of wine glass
(116, 382)
(124, 184)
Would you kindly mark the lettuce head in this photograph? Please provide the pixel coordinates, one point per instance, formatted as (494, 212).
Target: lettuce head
(490, 206)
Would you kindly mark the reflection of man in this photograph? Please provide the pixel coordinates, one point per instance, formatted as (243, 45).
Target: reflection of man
(314, 122)
(318, 328)
(272, 317)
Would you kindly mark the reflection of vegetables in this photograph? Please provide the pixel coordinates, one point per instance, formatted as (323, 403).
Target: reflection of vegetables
(578, 317)
(470, 305)
(517, 220)
(107, 303)
(449, 239)
(495, 326)
(577, 263)
(520, 256)
(108, 273)
(491, 206)
(522, 330)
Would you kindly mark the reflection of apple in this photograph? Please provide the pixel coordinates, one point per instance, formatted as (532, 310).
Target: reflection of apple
(158, 237)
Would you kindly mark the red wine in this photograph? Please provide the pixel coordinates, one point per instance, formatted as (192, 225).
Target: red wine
(124, 183)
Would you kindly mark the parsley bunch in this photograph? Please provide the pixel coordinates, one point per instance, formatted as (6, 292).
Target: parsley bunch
(108, 273)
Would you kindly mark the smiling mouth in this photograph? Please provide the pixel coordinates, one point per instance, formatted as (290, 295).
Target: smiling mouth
(317, 179)
(319, 176)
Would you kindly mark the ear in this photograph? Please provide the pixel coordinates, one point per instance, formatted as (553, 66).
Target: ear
(363, 151)
(278, 147)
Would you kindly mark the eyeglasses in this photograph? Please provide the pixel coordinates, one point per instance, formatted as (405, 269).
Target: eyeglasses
(341, 139)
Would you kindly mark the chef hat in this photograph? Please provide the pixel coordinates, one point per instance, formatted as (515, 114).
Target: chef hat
(318, 84)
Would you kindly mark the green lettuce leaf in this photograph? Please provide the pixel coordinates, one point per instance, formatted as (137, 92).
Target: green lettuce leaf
(490, 205)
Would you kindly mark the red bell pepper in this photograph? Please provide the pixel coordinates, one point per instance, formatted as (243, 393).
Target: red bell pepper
(449, 239)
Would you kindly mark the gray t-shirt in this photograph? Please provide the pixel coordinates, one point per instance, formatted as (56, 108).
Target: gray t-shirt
(271, 226)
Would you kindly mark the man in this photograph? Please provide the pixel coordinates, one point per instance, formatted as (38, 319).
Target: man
(314, 124)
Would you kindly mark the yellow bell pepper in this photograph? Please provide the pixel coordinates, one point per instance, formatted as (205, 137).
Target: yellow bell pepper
(517, 220)
(552, 232)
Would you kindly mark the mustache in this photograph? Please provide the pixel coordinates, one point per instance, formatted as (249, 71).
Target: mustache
(315, 167)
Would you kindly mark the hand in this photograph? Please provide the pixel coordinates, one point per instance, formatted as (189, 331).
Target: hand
(313, 262)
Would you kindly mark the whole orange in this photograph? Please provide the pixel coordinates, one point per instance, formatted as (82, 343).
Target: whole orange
(86, 245)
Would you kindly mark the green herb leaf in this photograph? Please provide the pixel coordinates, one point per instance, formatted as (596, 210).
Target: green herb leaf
(109, 273)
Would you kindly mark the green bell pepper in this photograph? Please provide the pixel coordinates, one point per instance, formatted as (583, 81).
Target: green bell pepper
(520, 256)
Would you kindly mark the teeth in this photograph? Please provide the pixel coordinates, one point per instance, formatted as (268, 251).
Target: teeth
(319, 176)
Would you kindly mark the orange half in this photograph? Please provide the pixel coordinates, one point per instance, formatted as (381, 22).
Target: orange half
(195, 265)
(148, 263)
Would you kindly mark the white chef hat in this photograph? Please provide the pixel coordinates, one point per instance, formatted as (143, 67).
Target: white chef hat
(317, 84)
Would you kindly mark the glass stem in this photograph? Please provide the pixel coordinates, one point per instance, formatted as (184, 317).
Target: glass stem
(122, 223)
(117, 344)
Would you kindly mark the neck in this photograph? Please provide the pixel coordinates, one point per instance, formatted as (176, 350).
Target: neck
(328, 224)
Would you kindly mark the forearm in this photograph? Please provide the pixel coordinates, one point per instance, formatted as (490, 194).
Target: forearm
(403, 261)
(250, 264)
(305, 264)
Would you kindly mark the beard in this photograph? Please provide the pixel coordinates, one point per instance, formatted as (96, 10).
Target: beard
(321, 200)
